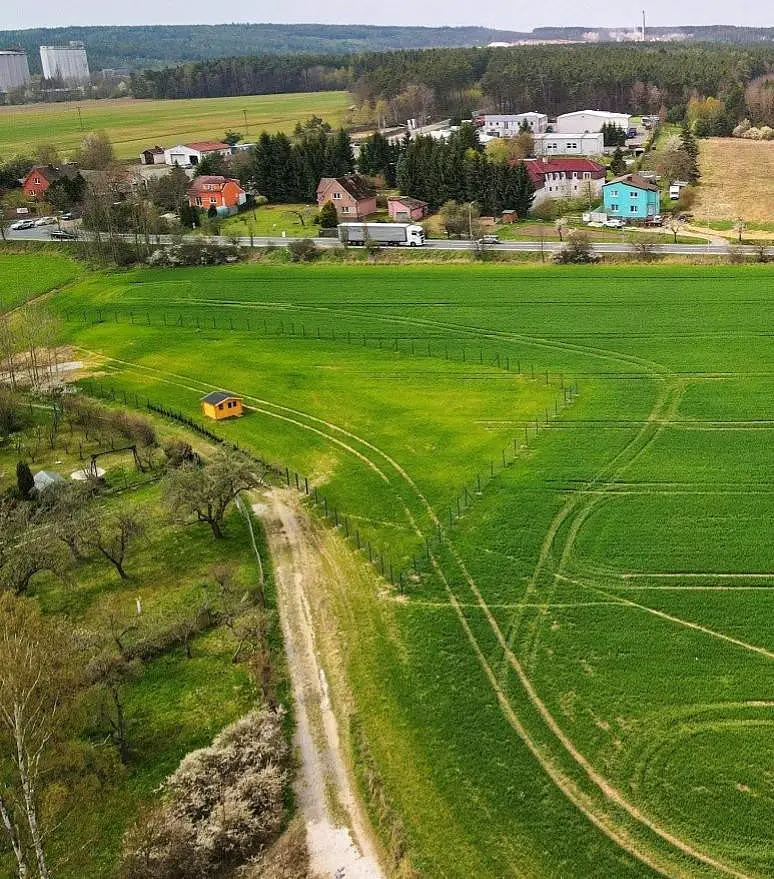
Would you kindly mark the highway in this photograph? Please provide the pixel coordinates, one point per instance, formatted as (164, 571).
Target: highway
(547, 247)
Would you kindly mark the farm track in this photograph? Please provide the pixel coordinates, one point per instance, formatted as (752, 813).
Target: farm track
(610, 825)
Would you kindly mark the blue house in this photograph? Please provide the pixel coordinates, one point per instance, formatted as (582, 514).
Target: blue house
(631, 198)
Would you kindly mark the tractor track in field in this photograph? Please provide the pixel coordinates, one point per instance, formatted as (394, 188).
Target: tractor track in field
(582, 800)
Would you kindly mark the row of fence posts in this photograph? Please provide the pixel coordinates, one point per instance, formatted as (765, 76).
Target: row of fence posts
(383, 563)
(398, 344)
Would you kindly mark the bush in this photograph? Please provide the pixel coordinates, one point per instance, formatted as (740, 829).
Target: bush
(222, 805)
(577, 249)
(194, 253)
(303, 250)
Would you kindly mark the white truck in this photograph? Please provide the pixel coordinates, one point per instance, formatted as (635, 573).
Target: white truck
(390, 234)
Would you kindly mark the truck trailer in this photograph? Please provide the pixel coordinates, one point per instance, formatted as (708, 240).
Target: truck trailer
(390, 234)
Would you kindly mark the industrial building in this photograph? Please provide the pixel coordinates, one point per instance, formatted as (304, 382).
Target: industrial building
(587, 121)
(66, 63)
(592, 144)
(14, 70)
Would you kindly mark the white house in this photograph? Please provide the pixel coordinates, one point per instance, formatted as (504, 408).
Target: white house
(589, 120)
(566, 178)
(570, 144)
(187, 154)
(508, 124)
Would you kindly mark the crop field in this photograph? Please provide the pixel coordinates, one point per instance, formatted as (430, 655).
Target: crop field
(134, 125)
(735, 180)
(572, 469)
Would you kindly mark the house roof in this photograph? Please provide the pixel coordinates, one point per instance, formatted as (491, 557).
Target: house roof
(205, 146)
(636, 181)
(157, 150)
(52, 172)
(219, 397)
(210, 183)
(601, 114)
(408, 201)
(354, 184)
(538, 168)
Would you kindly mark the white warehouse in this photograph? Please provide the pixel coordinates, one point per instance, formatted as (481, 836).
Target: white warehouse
(68, 63)
(570, 144)
(583, 121)
(14, 70)
(508, 124)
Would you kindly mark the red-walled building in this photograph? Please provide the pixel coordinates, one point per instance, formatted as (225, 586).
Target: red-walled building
(41, 177)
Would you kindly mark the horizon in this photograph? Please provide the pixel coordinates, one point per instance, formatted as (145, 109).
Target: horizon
(435, 14)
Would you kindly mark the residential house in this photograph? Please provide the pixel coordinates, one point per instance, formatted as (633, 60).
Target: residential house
(351, 195)
(631, 198)
(565, 178)
(591, 144)
(187, 154)
(509, 124)
(588, 121)
(403, 209)
(211, 190)
(219, 405)
(152, 156)
(40, 177)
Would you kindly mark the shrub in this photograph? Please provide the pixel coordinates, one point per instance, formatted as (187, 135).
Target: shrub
(303, 250)
(577, 249)
(222, 805)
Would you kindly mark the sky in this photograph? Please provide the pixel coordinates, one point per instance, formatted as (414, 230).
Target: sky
(503, 14)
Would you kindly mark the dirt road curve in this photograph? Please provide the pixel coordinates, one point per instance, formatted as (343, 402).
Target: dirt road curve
(338, 834)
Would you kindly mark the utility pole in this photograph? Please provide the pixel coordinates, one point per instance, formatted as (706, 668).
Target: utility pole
(80, 118)
(244, 113)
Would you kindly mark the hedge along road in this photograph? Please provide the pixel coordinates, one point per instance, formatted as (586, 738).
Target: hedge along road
(547, 247)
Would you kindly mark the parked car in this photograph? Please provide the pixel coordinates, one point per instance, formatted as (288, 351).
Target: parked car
(489, 239)
(614, 223)
(44, 221)
(22, 224)
(68, 215)
(63, 234)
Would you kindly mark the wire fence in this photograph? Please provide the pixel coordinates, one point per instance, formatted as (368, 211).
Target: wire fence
(402, 575)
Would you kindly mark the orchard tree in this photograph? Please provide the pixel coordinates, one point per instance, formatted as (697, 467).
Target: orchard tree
(112, 537)
(205, 493)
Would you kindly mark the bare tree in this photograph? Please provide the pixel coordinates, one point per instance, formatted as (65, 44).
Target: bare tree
(739, 227)
(204, 494)
(560, 225)
(643, 246)
(112, 672)
(37, 685)
(112, 538)
(675, 224)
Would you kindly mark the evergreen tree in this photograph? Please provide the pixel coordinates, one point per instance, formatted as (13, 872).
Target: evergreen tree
(189, 217)
(618, 163)
(525, 191)
(25, 483)
(341, 159)
(690, 146)
(329, 218)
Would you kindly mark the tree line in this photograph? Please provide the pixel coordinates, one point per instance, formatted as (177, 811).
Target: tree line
(553, 79)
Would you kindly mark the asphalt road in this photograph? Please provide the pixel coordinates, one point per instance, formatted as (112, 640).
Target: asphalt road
(42, 233)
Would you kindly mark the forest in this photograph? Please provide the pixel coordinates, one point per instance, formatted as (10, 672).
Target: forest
(553, 79)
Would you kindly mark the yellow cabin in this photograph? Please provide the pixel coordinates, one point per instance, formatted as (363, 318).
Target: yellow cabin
(219, 404)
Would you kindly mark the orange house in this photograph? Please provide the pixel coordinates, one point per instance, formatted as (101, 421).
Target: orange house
(212, 190)
(219, 405)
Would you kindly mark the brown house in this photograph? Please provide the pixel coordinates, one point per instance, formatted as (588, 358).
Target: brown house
(403, 209)
(351, 195)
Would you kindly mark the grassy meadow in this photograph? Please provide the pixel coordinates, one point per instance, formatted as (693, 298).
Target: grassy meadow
(734, 180)
(133, 125)
(574, 466)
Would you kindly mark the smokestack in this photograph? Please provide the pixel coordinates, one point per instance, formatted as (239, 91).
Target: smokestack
(643, 25)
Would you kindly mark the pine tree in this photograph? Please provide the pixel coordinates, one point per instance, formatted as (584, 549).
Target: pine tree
(690, 146)
(329, 218)
(25, 482)
(525, 191)
(618, 163)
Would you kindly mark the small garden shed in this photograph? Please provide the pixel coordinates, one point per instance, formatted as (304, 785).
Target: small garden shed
(221, 404)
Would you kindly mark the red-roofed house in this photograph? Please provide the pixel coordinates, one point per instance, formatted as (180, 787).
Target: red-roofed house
(222, 193)
(187, 154)
(351, 195)
(565, 178)
(40, 177)
(403, 209)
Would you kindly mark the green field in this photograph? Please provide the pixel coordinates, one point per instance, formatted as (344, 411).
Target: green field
(133, 125)
(578, 679)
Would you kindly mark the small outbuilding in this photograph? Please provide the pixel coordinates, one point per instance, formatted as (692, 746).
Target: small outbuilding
(403, 209)
(45, 479)
(221, 404)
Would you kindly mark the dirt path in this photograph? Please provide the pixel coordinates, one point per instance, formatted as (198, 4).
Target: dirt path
(339, 837)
